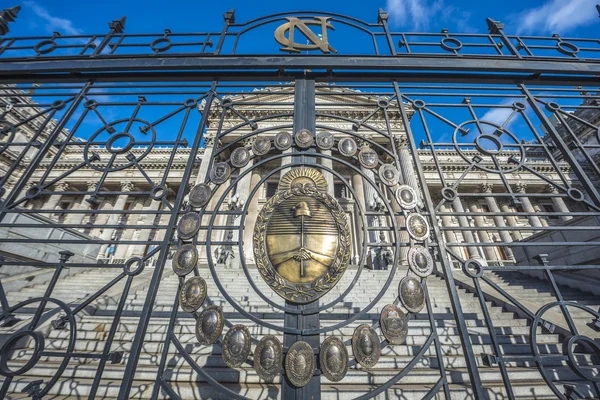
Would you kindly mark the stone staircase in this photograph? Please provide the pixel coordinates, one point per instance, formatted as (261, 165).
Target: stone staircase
(94, 323)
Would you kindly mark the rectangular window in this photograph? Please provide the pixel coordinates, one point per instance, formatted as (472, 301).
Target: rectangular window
(271, 189)
(339, 191)
(548, 208)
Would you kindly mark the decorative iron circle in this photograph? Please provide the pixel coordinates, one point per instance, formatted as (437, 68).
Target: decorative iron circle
(299, 363)
(200, 195)
(389, 175)
(419, 104)
(185, 259)
(383, 103)
(368, 157)
(283, 141)
(304, 139)
(417, 227)
(128, 268)
(261, 146)
(451, 44)
(406, 197)
(268, 356)
(366, 346)
(158, 192)
(411, 294)
(347, 147)
(393, 324)
(575, 194)
(240, 157)
(161, 44)
(302, 267)
(209, 325)
(124, 162)
(567, 48)
(574, 362)
(236, 346)
(472, 268)
(333, 359)
(325, 140)
(193, 294)
(188, 225)
(33, 192)
(220, 172)
(449, 194)
(7, 348)
(420, 261)
(45, 46)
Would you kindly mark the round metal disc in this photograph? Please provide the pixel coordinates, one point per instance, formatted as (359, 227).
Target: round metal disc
(417, 227)
(406, 196)
(420, 261)
(366, 346)
(188, 225)
(368, 158)
(393, 324)
(283, 141)
(299, 363)
(411, 294)
(333, 358)
(185, 259)
(347, 147)
(389, 175)
(325, 140)
(268, 356)
(304, 139)
(192, 294)
(236, 346)
(240, 157)
(200, 195)
(209, 325)
(261, 146)
(220, 172)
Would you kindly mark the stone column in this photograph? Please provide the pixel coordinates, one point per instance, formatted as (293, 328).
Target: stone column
(407, 170)
(123, 251)
(359, 191)
(543, 219)
(447, 223)
(534, 220)
(285, 161)
(498, 220)
(209, 143)
(328, 163)
(512, 221)
(82, 205)
(53, 200)
(559, 203)
(113, 219)
(143, 235)
(467, 234)
(251, 218)
(489, 252)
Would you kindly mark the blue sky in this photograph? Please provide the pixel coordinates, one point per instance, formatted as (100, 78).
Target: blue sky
(568, 17)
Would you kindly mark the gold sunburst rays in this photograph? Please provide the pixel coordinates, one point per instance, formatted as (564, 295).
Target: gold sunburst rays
(303, 175)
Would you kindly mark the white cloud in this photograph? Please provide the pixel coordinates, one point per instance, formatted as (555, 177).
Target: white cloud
(418, 15)
(52, 23)
(557, 16)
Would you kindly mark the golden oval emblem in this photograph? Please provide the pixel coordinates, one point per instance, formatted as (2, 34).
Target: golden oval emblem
(302, 238)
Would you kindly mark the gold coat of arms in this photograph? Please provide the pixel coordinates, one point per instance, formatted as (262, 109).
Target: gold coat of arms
(302, 238)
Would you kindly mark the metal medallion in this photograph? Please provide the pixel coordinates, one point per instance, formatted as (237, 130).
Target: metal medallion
(302, 238)
(185, 259)
(261, 146)
(333, 358)
(192, 294)
(220, 172)
(268, 356)
(325, 140)
(420, 261)
(209, 325)
(299, 364)
(347, 147)
(304, 139)
(368, 157)
(236, 346)
(393, 324)
(389, 175)
(406, 197)
(283, 141)
(411, 294)
(240, 157)
(417, 227)
(200, 195)
(366, 346)
(188, 225)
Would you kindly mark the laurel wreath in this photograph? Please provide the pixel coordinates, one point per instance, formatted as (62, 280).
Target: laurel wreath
(321, 285)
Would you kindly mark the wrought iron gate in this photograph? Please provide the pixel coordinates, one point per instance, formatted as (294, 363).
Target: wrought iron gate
(194, 151)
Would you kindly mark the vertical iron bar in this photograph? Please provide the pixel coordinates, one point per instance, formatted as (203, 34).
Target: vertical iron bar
(138, 341)
(463, 332)
(564, 149)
